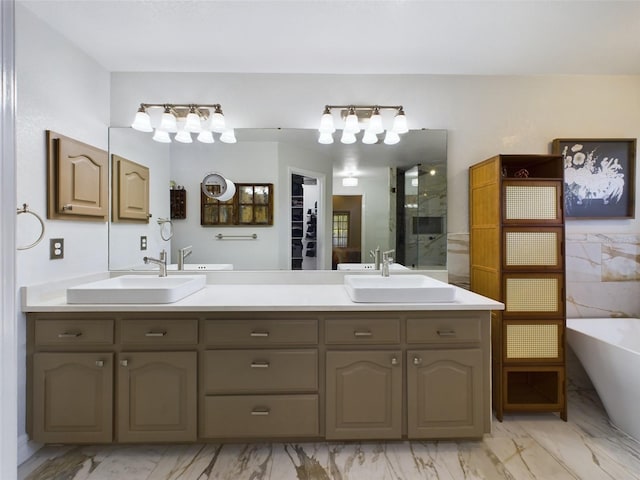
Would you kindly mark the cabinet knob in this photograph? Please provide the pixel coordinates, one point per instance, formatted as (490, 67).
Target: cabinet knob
(67, 207)
(394, 361)
(99, 363)
(124, 363)
(417, 360)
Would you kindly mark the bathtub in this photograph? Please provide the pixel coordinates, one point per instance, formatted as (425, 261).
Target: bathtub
(609, 350)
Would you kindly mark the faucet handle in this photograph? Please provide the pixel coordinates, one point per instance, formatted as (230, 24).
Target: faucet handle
(163, 255)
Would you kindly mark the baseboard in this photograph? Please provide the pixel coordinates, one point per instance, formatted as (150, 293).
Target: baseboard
(26, 448)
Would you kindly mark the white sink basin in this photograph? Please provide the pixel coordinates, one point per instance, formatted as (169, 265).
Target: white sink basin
(397, 289)
(370, 266)
(202, 267)
(137, 289)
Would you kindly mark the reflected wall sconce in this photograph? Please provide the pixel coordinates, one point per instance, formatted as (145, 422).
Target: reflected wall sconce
(184, 121)
(367, 118)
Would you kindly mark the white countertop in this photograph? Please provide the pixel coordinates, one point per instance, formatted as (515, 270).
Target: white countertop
(246, 296)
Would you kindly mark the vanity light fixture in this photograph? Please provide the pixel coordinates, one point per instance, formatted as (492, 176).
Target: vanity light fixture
(362, 117)
(183, 120)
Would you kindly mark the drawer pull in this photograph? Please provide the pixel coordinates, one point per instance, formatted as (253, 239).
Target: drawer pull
(99, 363)
(69, 334)
(260, 412)
(259, 334)
(359, 333)
(394, 361)
(446, 333)
(259, 364)
(417, 360)
(155, 334)
(124, 363)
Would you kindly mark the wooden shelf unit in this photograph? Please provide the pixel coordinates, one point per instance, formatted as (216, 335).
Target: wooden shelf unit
(516, 225)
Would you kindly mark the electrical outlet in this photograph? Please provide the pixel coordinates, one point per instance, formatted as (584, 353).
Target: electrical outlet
(56, 248)
(143, 242)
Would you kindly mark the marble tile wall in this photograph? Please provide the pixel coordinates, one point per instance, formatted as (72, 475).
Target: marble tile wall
(602, 272)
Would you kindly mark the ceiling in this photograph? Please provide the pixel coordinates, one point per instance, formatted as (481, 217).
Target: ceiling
(354, 37)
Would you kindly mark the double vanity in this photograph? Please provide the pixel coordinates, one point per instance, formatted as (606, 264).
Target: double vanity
(255, 356)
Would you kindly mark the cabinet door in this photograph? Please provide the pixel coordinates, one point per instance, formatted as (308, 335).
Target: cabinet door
(364, 395)
(444, 390)
(157, 397)
(130, 191)
(72, 397)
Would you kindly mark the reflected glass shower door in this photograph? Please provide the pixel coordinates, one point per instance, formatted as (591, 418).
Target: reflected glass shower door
(422, 225)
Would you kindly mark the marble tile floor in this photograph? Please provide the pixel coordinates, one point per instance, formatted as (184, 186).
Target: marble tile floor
(531, 446)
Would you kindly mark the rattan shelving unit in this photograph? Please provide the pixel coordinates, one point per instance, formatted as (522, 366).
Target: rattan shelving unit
(517, 257)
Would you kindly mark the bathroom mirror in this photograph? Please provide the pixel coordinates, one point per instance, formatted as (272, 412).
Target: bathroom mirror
(390, 205)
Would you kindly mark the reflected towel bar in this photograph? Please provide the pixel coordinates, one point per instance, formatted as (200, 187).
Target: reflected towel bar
(253, 236)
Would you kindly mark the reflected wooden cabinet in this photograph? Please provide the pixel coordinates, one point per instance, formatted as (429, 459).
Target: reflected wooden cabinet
(73, 397)
(517, 257)
(77, 180)
(444, 393)
(130, 191)
(157, 397)
(364, 394)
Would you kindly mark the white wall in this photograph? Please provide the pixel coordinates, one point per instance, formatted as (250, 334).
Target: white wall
(60, 89)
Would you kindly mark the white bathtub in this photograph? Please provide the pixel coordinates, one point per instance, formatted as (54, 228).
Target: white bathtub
(609, 350)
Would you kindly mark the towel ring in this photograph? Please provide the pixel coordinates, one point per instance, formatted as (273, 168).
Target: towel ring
(25, 209)
(162, 222)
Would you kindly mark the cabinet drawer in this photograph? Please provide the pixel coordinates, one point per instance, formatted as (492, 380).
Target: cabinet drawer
(260, 332)
(159, 332)
(260, 416)
(362, 331)
(445, 330)
(73, 332)
(260, 371)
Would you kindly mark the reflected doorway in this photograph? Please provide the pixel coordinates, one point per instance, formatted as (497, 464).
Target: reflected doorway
(346, 230)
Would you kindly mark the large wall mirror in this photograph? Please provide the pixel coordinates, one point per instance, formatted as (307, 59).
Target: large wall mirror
(402, 189)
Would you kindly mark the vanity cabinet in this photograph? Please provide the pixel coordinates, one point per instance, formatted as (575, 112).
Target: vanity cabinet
(517, 257)
(259, 378)
(89, 374)
(187, 376)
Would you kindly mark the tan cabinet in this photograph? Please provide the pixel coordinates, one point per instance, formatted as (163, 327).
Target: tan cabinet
(157, 397)
(130, 191)
(72, 397)
(444, 393)
(517, 257)
(77, 176)
(364, 395)
(255, 383)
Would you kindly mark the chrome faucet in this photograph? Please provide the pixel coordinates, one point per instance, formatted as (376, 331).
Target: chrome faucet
(386, 260)
(182, 254)
(375, 254)
(162, 262)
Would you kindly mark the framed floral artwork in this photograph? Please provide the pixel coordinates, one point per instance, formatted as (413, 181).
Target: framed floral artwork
(599, 177)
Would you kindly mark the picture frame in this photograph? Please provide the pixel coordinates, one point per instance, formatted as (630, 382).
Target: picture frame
(599, 177)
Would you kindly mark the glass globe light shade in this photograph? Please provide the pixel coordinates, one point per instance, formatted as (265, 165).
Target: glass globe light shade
(325, 138)
(142, 121)
(326, 123)
(161, 136)
(168, 122)
(375, 122)
(217, 122)
(205, 136)
(400, 123)
(369, 137)
(228, 136)
(391, 138)
(347, 138)
(192, 123)
(351, 122)
(183, 137)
